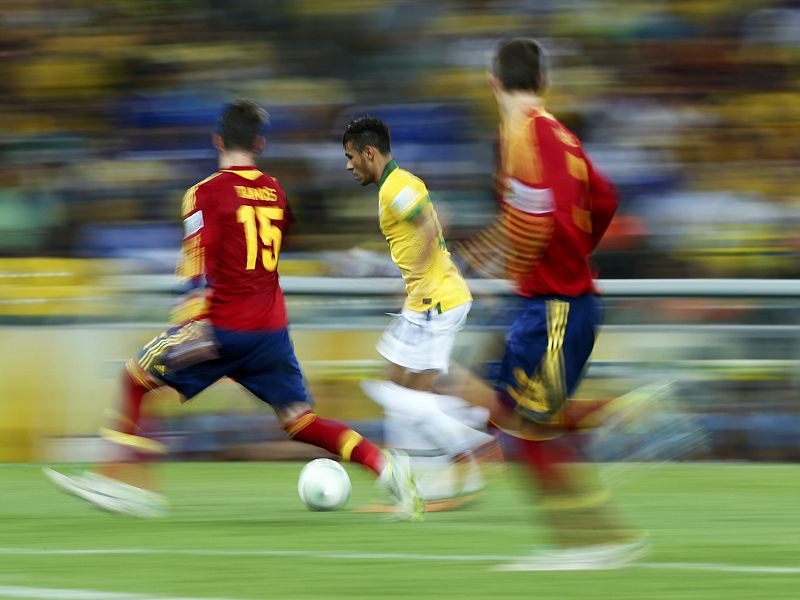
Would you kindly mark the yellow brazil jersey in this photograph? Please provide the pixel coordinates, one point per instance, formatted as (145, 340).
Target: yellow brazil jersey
(432, 280)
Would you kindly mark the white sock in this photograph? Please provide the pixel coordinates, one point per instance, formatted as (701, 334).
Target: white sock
(418, 413)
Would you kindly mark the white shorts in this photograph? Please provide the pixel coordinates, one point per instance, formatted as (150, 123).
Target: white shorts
(422, 341)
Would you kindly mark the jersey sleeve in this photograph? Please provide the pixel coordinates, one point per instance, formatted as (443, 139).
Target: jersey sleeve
(191, 263)
(604, 198)
(406, 199)
(528, 207)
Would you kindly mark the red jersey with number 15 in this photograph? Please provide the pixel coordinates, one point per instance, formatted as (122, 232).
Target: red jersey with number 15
(233, 229)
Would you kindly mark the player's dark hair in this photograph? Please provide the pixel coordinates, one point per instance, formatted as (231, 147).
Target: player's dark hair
(520, 64)
(368, 131)
(240, 123)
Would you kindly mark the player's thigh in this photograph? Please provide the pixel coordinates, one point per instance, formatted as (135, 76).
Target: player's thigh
(547, 349)
(422, 341)
(579, 339)
(272, 372)
(154, 358)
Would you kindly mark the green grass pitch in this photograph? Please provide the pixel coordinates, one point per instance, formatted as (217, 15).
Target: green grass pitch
(239, 531)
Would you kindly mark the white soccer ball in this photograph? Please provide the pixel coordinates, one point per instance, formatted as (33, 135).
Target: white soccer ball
(324, 485)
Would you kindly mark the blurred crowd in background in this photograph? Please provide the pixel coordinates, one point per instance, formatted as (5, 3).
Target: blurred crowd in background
(690, 106)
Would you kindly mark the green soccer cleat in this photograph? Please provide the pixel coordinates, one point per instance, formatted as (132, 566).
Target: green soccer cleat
(398, 479)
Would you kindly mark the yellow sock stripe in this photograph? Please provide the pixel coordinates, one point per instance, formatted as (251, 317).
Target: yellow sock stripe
(300, 424)
(556, 503)
(347, 443)
(133, 441)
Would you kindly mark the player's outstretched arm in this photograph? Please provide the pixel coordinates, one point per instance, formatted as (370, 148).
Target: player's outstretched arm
(604, 203)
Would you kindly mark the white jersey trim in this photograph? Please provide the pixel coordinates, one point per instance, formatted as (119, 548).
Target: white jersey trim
(529, 199)
(404, 199)
(192, 224)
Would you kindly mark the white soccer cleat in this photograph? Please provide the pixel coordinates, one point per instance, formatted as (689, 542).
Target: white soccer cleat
(398, 479)
(110, 494)
(585, 558)
(648, 424)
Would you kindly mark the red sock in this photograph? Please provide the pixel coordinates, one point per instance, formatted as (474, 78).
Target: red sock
(123, 426)
(134, 383)
(548, 461)
(574, 506)
(337, 438)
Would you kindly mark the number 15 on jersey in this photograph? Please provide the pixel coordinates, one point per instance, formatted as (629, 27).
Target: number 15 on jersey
(258, 226)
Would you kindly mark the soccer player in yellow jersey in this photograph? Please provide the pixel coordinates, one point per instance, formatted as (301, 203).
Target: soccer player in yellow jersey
(419, 341)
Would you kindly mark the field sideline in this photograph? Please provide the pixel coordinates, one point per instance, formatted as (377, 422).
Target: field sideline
(239, 532)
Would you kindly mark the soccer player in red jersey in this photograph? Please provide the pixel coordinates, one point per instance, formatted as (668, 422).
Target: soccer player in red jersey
(554, 208)
(232, 324)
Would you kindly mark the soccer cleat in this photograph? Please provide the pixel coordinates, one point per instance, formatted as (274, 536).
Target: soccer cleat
(431, 506)
(448, 504)
(110, 494)
(399, 481)
(583, 558)
(647, 424)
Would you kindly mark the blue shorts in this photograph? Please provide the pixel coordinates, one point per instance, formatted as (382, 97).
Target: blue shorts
(262, 361)
(546, 353)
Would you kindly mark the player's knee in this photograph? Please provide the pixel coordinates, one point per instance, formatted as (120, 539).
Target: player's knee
(289, 413)
(133, 373)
